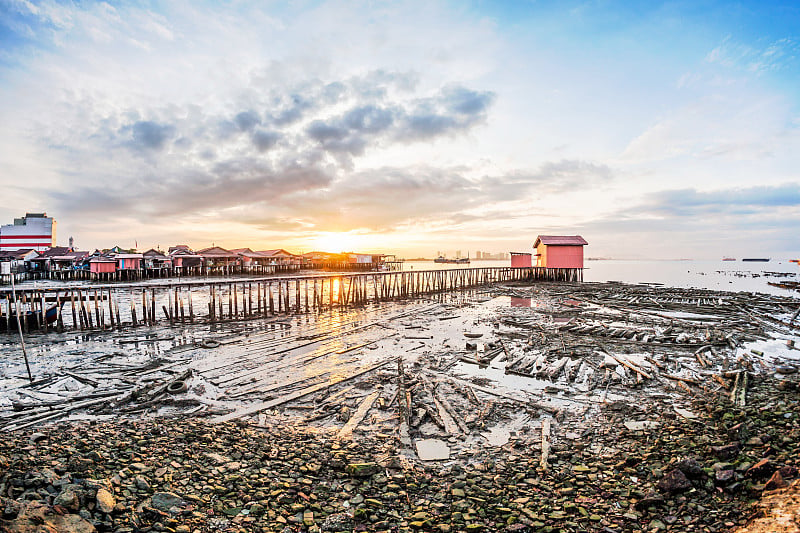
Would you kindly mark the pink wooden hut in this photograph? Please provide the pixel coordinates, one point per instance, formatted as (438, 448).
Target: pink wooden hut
(216, 256)
(129, 261)
(281, 257)
(559, 251)
(521, 260)
(102, 265)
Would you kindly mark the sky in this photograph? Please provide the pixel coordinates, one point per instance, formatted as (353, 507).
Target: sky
(656, 130)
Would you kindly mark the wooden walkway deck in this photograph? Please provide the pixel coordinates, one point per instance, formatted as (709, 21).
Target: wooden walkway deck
(104, 306)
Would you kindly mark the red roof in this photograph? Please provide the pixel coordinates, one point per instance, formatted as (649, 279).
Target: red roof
(215, 252)
(279, 252)
(560, 240)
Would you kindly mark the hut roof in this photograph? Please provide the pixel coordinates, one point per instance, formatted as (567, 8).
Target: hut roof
(280, 252)
(71, 256)
(55, 251)
(247, 252)
(216, 252)
(179, 247)
(15, 254)
(560, 240)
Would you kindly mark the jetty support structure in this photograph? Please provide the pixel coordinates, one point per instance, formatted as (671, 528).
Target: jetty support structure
(110, 306)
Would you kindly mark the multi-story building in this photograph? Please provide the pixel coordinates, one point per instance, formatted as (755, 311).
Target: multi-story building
(34, 231)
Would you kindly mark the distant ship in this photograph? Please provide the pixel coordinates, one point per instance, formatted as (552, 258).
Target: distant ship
(759, 259)
(442, 259)
(728, 259)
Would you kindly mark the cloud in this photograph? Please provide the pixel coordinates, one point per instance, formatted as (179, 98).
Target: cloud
(368, 119)
(264, 140)
(759, 58)
(147, 135)
(323, 132)
(691, 202)
(247, 120)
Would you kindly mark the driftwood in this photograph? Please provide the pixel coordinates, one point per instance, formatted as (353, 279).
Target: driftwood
(681, 379)
(358, 416)
(261, 406)
(545, 443)
(739, 391)
(631, 366)
(42, 417)
(525, 403)
(404, 405)
(442, 402)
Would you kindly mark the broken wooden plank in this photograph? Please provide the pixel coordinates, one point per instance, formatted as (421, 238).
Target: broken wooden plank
(545, 443)
(366, 404)
(555, 411)
(739, 391)
(261, 406)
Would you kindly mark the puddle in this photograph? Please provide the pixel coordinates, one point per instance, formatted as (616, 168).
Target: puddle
(497, 436)
(432, 450)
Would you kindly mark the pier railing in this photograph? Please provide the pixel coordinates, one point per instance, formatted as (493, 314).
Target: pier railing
(104, 306)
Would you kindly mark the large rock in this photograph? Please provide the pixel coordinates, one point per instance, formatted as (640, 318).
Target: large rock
(362, 469)
(726, 452)
(105, 501)
(37, 516)
(690, 467)
(164, 501)
(761, 470)
(674, 481)
(69, 497)
(776, 482)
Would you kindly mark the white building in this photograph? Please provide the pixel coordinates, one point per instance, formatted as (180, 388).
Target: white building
(34, 230)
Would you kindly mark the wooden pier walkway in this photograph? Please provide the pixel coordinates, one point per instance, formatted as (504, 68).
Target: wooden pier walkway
(110, 306)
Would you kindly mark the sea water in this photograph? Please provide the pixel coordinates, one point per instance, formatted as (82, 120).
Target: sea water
(715, 275)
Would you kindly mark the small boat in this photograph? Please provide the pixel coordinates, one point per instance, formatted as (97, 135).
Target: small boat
(728, 259)
(31, 319)
(756, 259)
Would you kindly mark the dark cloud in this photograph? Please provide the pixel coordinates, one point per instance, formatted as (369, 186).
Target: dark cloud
(454, 110)
(558, 177)
(264, 140)
(226, 129)
(295, 109)
(421, 127)
(691, 202)
(467, 102)
(353, 145)
(702, 223)
(228, 184)
(247, 120)
(324, 132)
(290, 151)
(368, 119)
(148, 135)
(333, 92)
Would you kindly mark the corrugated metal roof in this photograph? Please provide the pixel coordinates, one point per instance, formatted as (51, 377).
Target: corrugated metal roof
(560, 240)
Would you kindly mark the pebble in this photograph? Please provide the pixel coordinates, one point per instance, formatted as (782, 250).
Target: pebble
(187, 475)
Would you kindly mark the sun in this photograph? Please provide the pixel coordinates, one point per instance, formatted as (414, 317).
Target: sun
(335, 242)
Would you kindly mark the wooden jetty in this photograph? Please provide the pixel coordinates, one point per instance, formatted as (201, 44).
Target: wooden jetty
(160, 272)
(108, 306)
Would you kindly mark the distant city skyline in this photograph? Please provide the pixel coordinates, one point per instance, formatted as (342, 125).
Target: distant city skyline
(653, 129)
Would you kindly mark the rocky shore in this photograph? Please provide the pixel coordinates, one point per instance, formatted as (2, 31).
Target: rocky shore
(702, 472)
